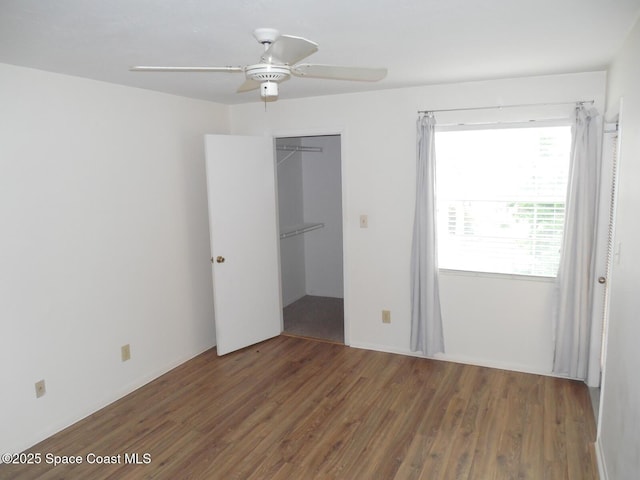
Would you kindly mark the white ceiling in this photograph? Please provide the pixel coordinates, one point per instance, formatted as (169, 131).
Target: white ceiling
(419, 41)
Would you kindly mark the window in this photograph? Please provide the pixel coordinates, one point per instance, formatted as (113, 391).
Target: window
(501, 196)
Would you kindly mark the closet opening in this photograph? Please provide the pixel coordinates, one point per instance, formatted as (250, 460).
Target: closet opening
(309, 183)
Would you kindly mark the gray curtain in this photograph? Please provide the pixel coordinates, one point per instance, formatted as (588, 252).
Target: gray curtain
(574, 284)
(426, 319)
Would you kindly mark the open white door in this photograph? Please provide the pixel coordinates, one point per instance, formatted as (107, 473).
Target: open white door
(244, 240)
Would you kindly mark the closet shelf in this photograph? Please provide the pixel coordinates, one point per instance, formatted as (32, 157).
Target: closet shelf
(298, 229)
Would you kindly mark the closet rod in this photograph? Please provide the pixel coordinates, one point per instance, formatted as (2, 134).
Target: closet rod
(500, 107)
(298, 231)
(298, 148)
(295, 148)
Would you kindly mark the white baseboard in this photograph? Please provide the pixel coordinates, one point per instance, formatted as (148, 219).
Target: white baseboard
(459, 359)
(602, 467)
(513, 367)
(385, 349)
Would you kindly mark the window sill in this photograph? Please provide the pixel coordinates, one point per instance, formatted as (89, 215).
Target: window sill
(504, 276)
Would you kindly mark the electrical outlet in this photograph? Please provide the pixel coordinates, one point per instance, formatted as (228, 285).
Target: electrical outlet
(125, 352)
(364, 221)
(386, 316)
(41, 389)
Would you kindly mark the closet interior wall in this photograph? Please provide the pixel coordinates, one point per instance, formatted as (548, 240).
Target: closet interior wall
(310, 191)
(290, 213)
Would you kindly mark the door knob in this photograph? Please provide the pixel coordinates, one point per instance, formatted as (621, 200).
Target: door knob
(220, 259)
(602, 280)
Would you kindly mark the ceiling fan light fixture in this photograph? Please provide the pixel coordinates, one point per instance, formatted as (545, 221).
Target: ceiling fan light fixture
(269, 90)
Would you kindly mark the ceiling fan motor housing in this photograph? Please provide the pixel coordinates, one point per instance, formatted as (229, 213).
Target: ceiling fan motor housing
(264, 72)
(268, 75)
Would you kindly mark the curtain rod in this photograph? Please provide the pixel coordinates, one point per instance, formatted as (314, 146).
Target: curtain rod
(499, 107)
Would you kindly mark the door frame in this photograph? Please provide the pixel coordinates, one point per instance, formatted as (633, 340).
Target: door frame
(341, 131)
(601, 291)
(615, 260)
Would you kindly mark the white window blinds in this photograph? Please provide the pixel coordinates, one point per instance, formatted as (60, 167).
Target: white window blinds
(501, 198)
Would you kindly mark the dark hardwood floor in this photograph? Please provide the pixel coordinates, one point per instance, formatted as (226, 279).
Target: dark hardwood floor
(292, 408)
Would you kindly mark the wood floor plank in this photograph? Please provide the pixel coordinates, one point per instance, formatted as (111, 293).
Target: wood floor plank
(510, 443)
(554, 433)
(490, 423)
(579, 453)
(407, 403)
(292, 408)
(465, 443)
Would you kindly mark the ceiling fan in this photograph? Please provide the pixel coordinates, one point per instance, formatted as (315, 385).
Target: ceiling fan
(278, 62)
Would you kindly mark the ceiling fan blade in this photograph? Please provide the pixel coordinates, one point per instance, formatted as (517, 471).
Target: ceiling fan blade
(336, 72)
(248, 85)
(187, 69)
(288, 49)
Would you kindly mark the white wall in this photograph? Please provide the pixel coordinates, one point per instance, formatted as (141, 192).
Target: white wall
(501, 314)
(619, 435)
(290, 214)
(104, 241)
(378, 155)
(321, 176)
